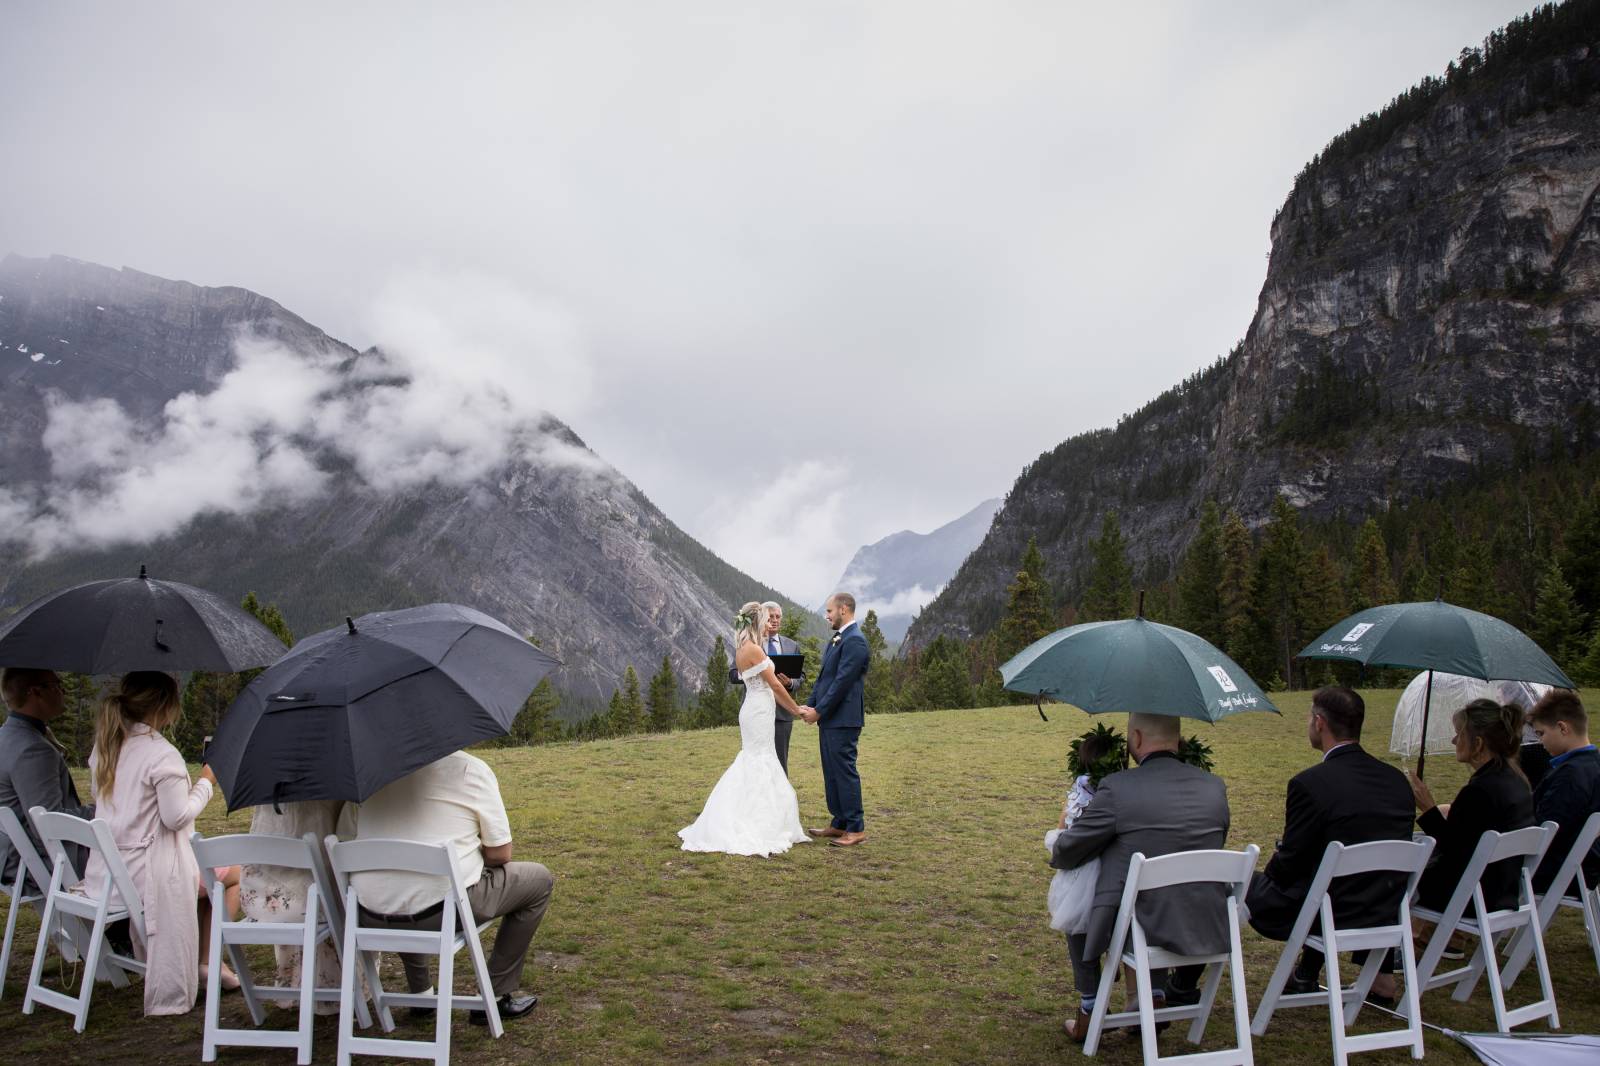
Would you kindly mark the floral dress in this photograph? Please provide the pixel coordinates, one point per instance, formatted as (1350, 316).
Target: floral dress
(278, 894)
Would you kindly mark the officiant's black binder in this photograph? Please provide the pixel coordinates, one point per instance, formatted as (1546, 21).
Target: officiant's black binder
(790, 666)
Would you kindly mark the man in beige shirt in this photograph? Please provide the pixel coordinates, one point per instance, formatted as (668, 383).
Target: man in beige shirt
(454, 801)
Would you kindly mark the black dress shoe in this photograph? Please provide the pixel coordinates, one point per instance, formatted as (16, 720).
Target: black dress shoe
(512, 1005)
(1297, 985)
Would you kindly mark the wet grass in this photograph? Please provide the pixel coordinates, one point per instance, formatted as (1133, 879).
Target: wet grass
(927, 944)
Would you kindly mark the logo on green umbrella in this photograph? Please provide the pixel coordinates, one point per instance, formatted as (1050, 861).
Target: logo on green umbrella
(1223, 679)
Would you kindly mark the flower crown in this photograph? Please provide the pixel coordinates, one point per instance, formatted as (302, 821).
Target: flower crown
(744, 621)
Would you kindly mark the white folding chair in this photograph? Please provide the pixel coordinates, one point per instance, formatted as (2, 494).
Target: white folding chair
(321, 922)
(31, 872)
(1489, 926)
(1586, 900)
(457, 930)
(1383, 856)
(1229, 868)
(112, 900)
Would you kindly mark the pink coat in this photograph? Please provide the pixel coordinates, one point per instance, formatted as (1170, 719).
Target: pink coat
(151, 811)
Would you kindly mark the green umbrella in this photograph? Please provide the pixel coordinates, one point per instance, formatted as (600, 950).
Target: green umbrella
(1434, 635)
(1134, 665)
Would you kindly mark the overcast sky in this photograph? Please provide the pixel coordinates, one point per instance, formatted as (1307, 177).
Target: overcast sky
(822, 270)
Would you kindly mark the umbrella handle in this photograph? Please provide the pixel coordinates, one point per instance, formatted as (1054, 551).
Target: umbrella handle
(1038, 705)
(277, 791)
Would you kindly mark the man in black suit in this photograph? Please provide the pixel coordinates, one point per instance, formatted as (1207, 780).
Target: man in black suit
(1351, 797)
(776, 643)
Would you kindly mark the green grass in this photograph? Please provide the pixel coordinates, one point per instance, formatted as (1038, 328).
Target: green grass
(928, 944)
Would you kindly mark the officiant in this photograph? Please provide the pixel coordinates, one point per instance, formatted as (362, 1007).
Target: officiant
(776, 643)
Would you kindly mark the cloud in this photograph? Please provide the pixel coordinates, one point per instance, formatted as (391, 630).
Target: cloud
(906, 602)
(458, 390)
(794, 525)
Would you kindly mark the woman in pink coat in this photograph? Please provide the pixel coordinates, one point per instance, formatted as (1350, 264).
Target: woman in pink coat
(141, 788)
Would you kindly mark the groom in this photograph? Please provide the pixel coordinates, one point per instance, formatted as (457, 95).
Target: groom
(836, 709)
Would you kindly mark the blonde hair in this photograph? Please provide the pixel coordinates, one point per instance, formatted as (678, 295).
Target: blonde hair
(145, 697)
(750, 624)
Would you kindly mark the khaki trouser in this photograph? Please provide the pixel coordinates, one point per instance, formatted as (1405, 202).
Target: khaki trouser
(518, 892)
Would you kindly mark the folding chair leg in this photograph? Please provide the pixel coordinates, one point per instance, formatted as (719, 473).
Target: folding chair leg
(1208, 998)
(1102, 1001)
(11, 931)
(247, 984)
(1269, 998)
(447, 992)
(1336, 1012)
(1147, 997)
(308, 980)
(347, 982)
(1241, 1008)
(1544, 979)
(1591, 921)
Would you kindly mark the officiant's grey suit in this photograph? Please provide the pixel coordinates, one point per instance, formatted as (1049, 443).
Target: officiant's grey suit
(783, 722)
(1158, 807)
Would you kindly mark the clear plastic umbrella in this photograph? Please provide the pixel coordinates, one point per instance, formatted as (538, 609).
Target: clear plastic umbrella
(1450, 692)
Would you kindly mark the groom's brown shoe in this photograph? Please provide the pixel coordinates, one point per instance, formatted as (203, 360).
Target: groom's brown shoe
(846, 840)
(831, 831)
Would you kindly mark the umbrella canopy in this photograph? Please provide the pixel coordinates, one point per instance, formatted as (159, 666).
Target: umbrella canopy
(135, 623)
(1134, 665)
(1450, 691)
(350, 709)
(1437, 637)
(1434, 635)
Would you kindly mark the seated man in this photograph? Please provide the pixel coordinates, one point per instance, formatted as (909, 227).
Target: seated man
(1352, 797)
(1570, 790)
(454, 801)
(1159, 807)
(33, 772)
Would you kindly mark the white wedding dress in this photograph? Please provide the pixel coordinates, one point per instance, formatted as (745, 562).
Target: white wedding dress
(753, 810)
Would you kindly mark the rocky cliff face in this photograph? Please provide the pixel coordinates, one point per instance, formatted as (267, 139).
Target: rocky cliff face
(1431, 306)
(568, 551)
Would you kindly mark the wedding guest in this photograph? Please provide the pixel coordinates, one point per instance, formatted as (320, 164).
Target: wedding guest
(141, 789)
(775, 643)
(33, 769)
(1350, 797)
(1570, 791)
(1159, 807)
(1495, 797)
(454, 801)
(278, 893)
(1071, 893)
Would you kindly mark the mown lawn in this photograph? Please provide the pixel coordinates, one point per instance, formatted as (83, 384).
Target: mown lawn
(927, 944)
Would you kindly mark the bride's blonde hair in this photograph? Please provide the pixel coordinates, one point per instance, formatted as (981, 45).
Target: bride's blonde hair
(749, 625)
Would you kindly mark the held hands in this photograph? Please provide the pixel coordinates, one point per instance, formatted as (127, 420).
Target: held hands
(809, 714)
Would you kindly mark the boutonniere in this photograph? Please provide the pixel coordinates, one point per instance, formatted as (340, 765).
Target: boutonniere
(837, 637)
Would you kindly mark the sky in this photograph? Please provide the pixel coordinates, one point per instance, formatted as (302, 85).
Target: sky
(807, 273)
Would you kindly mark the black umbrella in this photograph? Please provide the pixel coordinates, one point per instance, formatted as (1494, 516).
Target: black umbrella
(348, 710)
(135, 623)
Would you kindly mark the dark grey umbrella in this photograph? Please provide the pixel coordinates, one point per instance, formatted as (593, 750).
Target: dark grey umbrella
(135, 623)
(1433, 635)
(350, 709)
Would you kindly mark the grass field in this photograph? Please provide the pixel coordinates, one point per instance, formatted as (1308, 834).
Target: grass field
(927, 944)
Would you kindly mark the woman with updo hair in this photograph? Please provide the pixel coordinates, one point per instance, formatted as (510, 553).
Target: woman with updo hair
(141, 789)
(1488, 737)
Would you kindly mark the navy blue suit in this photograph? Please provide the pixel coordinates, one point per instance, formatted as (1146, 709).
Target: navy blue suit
(839, 699)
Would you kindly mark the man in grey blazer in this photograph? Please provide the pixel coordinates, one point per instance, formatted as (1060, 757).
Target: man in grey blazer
(33, 771)
(777, 644)
(1159, 807)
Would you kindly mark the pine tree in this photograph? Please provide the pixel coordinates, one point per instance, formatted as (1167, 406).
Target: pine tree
(536, 723)
(1587, 673)
(1558, 624)
(207, 696)
(876, 691)
(1580, 554)
(629, 716)
(717, 703)
(1233, 593)
(1033, 564)
(75, 728)
(1110, 591)
(1026, 617)
(1472, 584)
(662, 702)
(1322, 595)
(1200, 578)
(1372, 582)
(1276, 593)
(608, 723)
(942, 679)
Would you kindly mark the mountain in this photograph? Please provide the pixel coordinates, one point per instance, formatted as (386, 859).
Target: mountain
(1431, 310)
(897, 575)
(94, 362)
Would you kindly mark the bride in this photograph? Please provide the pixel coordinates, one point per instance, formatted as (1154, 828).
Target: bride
(753, 810)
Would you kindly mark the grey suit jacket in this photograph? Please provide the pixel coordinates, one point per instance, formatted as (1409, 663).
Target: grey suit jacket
(33, 774)
(785, 647)
(1157, 808)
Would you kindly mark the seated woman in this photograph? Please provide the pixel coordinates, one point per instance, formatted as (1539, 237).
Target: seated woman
(1488, 736)
(278, 894)
(141, 788)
